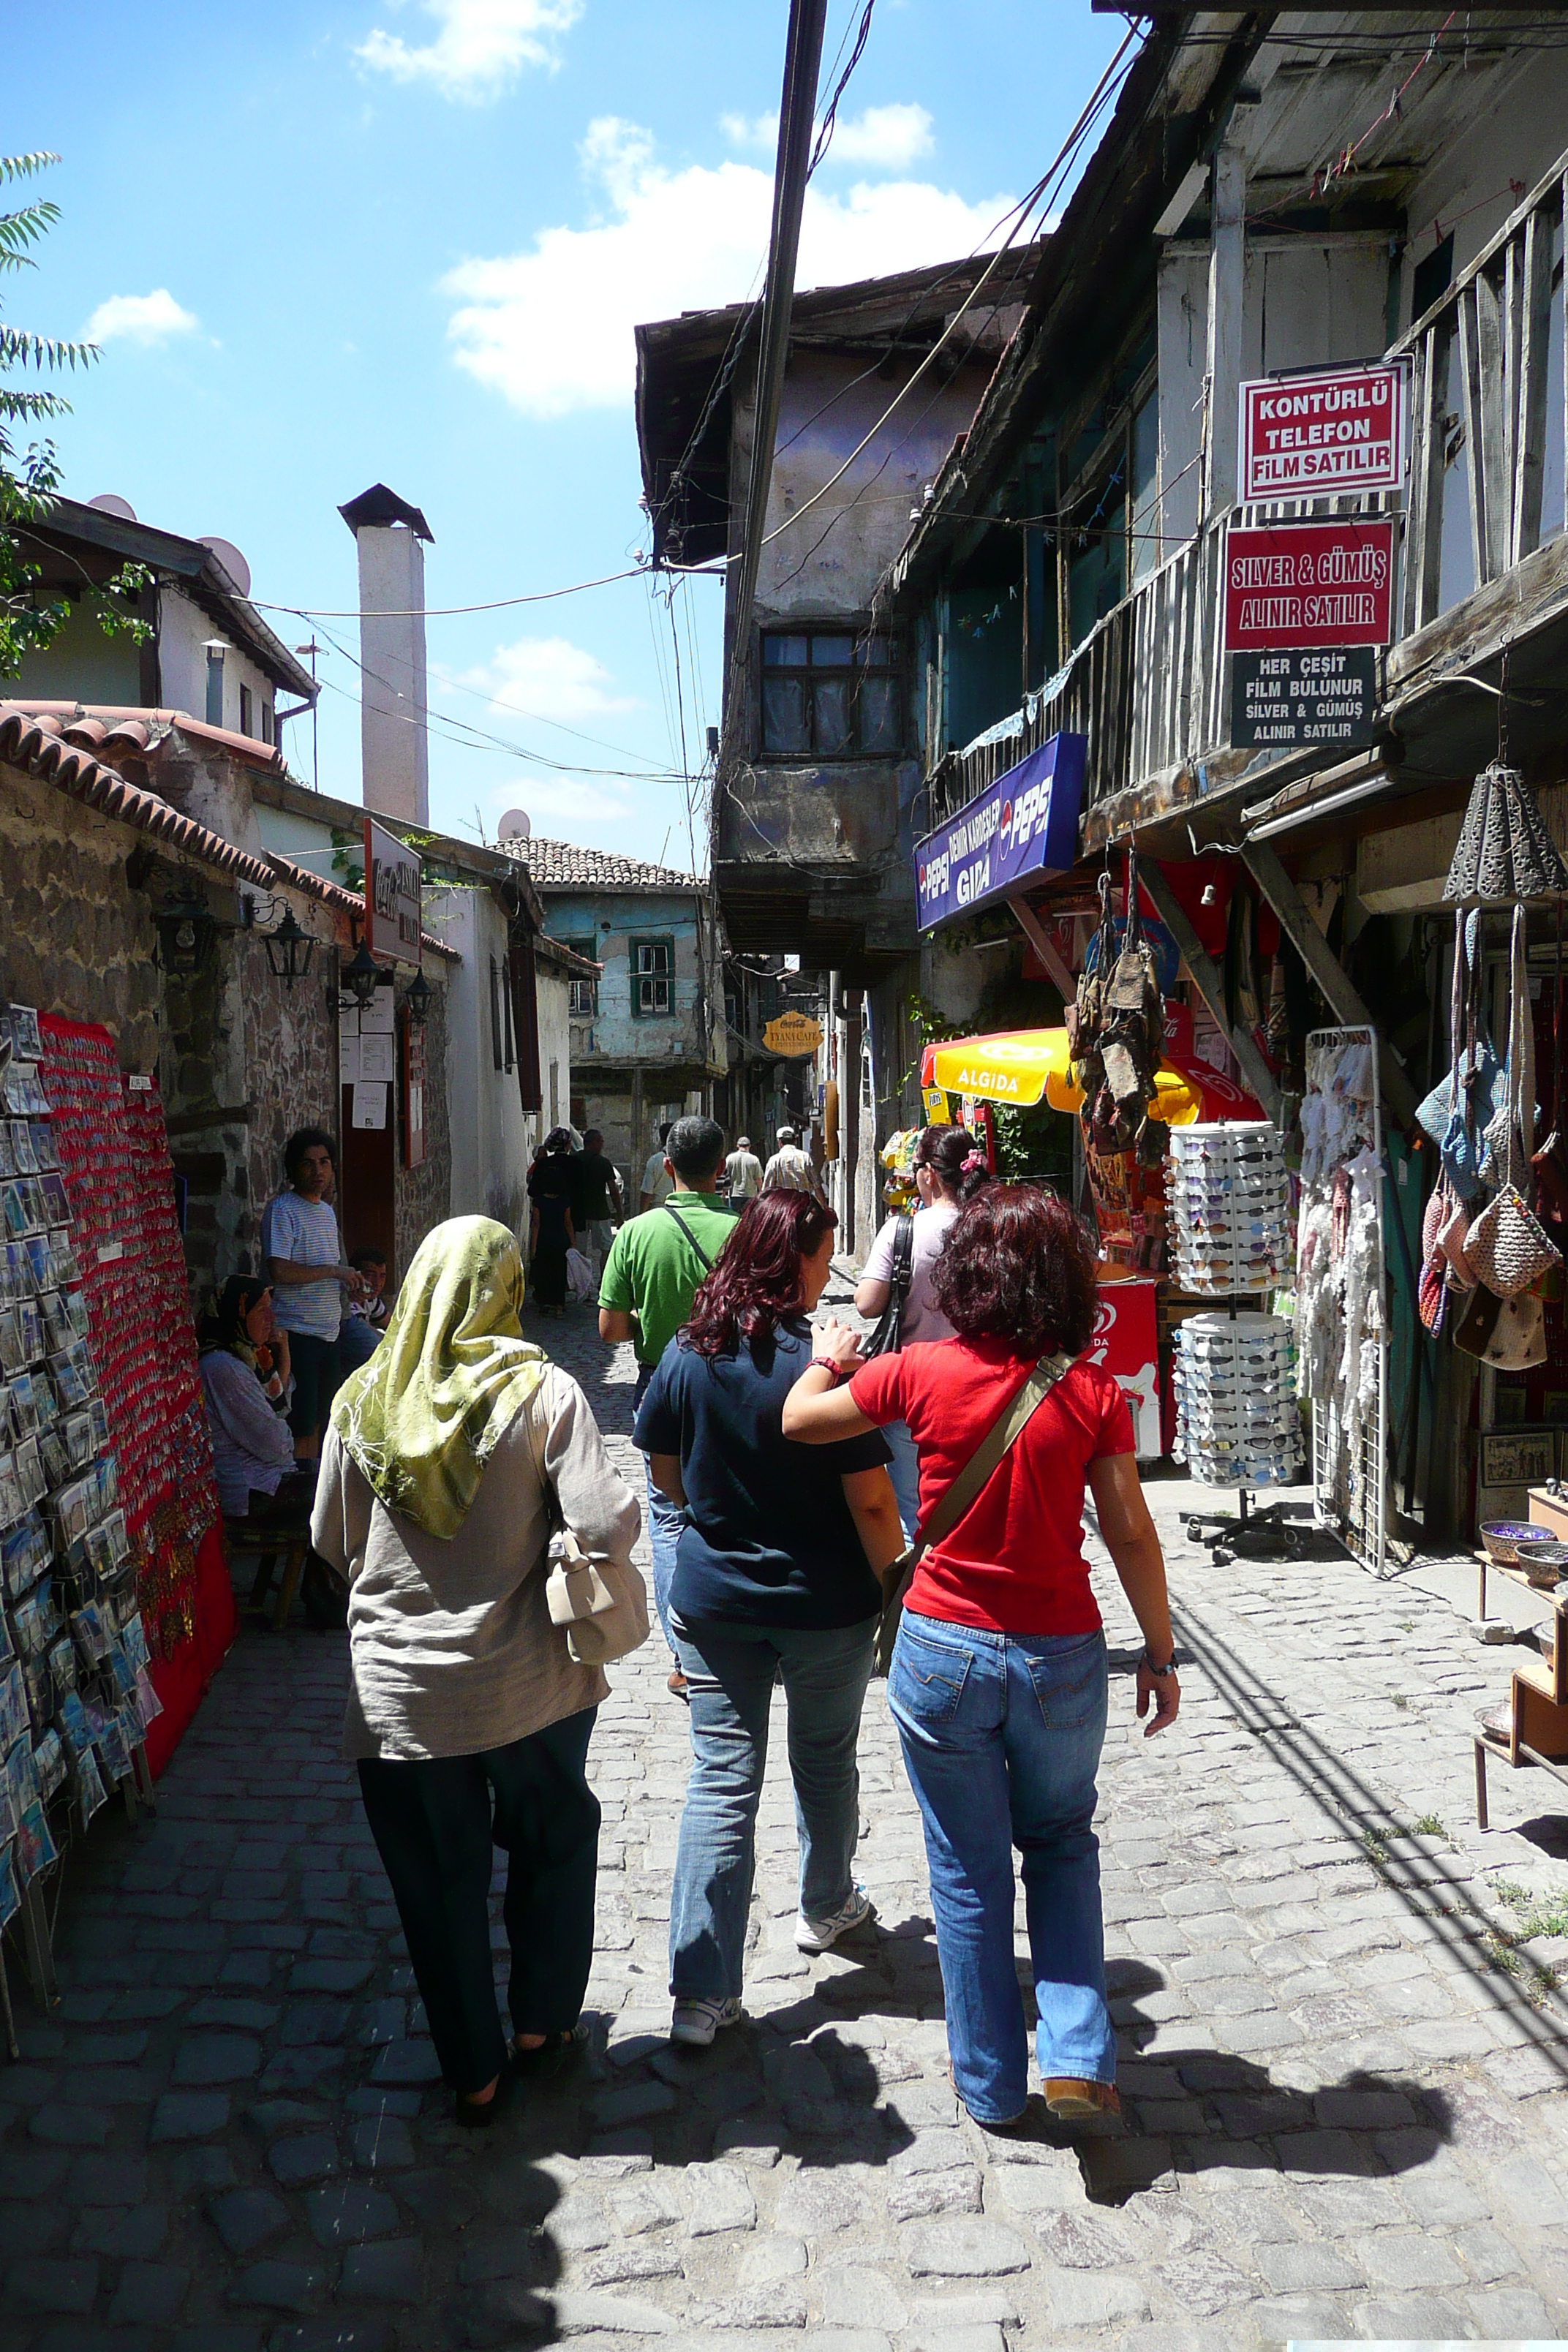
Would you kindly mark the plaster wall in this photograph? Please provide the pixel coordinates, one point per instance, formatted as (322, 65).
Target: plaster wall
(183, 633)
(492, 1140)
(423, 1195)
(393, 738)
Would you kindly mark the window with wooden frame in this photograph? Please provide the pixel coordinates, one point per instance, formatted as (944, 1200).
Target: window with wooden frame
(584, 993)
(832, 694)
(652, 977)
(496, 1039)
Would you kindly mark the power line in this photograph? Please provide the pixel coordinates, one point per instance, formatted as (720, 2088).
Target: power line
(830, 114)
(440, 612)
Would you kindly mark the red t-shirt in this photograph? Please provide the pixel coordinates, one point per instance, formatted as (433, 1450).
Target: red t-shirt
(1014, 1564)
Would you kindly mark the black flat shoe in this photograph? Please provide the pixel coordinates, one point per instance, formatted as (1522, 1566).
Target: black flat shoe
(479, 2114)
(554, 2054)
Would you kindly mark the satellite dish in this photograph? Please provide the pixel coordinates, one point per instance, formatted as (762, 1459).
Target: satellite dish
(109, 502)
(514, 827)
(229, 556)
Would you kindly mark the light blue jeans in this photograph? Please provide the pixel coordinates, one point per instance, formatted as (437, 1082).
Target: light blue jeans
(904, 1470)
(665, 1521)
(1002, 1735)
(729, 1673)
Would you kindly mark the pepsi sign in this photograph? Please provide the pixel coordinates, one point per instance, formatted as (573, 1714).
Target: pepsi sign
(1023, 825)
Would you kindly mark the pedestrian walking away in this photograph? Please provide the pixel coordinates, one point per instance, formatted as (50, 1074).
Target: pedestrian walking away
(468, 1716)
(658, 1181)
(649, 1280)
(790, 1169)
(744, 1170)
(998, 1682)
(776, 1572)
(596, 1206)
(551, 1230)
(949, 1169)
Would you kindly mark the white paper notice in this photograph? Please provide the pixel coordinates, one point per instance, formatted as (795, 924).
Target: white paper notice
(375, 1059)
(376, 1016)
(369, 1105)
(349, 1070)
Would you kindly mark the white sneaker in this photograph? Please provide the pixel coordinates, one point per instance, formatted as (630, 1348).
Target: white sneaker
(696, 2022)
(821, 1934)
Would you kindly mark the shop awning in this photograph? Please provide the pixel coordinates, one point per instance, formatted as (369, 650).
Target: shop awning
(1025, 1066)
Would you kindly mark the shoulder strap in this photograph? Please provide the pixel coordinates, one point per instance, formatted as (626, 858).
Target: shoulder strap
(706, 1261)
(903, 1254)
(999, 1439)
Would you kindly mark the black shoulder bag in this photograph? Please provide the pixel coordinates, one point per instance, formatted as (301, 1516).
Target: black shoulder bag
(706, 1261)
(888, 1336)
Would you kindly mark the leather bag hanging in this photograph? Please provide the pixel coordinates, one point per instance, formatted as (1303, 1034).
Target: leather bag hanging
(1456, 1113)
(966, 1490)
(1507, 1246)
(888, 1336)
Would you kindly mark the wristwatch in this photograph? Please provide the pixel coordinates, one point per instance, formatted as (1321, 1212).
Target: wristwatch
(1158, 1673)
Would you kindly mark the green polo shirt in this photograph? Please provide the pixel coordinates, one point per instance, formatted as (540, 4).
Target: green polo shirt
(652, 1271)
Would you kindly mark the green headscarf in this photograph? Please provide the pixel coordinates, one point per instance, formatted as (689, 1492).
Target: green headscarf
(425, 1414)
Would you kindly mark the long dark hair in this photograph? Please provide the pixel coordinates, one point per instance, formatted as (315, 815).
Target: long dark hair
(1019, 1265)
(760, 1280)
(955, 1158)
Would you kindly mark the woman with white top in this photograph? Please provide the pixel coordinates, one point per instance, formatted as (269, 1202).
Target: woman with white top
(949, 1169)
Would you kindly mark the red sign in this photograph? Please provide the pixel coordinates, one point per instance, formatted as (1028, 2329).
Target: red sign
(1126, 1341)
(1294, 584)
(1342, 429)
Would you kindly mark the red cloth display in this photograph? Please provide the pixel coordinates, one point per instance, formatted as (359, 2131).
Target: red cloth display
(1014, 1562)
(115, 1157)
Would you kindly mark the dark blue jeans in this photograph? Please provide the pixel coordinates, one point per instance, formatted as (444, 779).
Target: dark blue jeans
(665, 1521)
(1002, 1735)
(434, 1822)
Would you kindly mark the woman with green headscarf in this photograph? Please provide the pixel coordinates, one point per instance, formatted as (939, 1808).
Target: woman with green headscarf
(467, 1718)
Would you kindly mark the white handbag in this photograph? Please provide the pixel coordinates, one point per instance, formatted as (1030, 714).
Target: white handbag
(599, 1601)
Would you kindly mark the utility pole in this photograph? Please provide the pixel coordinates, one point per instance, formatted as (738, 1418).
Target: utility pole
(803, 60)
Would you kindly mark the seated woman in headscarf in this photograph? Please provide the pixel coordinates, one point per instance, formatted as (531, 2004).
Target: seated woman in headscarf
(246, 1383)
(467, 1718)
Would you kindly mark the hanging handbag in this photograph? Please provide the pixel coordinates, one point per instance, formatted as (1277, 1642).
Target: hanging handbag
(1519, 1336)
(1549, 1165)
(1507, 1248)
(1456, 1113)
(966, 1490)
(599, 1601)
(888, 1336)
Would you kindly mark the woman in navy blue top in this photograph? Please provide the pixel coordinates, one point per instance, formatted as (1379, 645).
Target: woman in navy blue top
(776, 1568)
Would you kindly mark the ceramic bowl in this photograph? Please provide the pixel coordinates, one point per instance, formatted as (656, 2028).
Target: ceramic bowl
(1502, 1539)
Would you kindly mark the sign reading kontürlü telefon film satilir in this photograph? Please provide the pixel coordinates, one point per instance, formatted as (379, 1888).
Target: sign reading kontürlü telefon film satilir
(1023, 825)
(1290, 585)
(1335, 430)
(391, 897)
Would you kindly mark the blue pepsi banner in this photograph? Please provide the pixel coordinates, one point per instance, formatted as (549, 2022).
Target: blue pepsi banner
(1023, 825)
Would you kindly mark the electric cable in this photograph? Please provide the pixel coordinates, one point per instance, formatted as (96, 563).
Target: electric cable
(441, 612)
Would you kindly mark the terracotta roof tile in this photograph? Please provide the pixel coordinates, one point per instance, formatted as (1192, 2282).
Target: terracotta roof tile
(563, 865)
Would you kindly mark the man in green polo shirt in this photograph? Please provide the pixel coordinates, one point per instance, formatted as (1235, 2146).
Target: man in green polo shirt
(650, 1277)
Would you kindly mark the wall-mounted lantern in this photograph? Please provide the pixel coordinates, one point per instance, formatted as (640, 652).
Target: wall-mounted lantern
(360, 976)
(289, 949)
(185, 935)
(418, 999)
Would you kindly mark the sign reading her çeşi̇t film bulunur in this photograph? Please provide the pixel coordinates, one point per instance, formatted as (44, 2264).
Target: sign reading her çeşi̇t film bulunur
(1310, 694)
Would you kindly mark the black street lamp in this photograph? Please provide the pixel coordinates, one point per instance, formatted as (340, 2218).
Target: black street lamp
(418, 999)
(361, 977)
(289, 949)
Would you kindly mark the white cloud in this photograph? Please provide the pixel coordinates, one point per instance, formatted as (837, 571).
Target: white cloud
(886, 138)
(550, 329)
(139, 318)
(480, 45)
(547, 678)
(569, 801)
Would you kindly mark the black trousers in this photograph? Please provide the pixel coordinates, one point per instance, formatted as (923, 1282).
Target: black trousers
(434, 1822)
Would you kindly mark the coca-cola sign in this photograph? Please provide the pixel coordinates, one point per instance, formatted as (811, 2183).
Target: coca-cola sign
(1294, 584)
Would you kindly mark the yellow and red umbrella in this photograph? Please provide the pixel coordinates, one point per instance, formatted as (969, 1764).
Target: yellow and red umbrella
(1027, 1067)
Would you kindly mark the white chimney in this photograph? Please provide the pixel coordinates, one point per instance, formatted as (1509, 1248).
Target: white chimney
(394, 713)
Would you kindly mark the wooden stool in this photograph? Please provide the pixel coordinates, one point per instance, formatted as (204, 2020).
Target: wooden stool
(291, 1540)
(1539, 1712)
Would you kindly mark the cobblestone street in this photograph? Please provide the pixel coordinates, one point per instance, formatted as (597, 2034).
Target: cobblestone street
(1344, 2073)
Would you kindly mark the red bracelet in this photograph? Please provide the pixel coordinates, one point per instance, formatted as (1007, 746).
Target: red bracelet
(821, 1364)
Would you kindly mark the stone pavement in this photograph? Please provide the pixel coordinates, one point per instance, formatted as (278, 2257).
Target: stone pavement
(1344, 2073)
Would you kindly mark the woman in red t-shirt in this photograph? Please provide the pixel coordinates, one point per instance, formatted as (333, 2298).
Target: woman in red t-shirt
(998, 1682)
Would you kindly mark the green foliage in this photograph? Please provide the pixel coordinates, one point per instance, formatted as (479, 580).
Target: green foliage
(30, 478)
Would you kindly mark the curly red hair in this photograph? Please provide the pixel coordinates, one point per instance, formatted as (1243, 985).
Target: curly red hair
(1019, 1265)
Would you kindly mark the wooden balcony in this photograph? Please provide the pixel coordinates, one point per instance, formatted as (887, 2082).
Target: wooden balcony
(1484, 559)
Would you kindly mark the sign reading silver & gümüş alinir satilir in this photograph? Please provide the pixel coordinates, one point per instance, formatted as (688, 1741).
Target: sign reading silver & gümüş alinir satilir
(1314, 694)
(1309, 584)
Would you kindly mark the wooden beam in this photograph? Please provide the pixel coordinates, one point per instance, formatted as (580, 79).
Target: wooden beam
(1209, 981)
(1228, 269)
(1044, 946)
(1309, 944)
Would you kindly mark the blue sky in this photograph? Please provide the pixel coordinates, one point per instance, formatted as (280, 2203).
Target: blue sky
(406, 240)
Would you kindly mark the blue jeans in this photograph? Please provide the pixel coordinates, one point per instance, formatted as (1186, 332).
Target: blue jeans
(665, 1521)
(1002, 1735)
(904, 1470)
(729, 1673)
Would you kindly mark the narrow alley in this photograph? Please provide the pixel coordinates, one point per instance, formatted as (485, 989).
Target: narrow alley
(1346, 2089)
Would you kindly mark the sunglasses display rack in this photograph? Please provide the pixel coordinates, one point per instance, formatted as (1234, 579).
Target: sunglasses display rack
(1229, 1206)
(1237, 1422)
(76, 1693)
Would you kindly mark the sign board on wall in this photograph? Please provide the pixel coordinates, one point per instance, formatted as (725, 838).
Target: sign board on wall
(793, 1035)
(1126, 1343)
(413, 1093)
(392, 901)
(1318, 695)
(1338, 429)
(1023, 825)
(1291, 585)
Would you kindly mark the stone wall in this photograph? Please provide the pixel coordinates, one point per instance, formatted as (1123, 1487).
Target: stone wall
(291, 1066)
(424, 1195)
(75, 938)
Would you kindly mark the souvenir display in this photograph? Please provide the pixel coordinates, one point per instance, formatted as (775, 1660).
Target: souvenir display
(1341, 1330)
(1227, 1201)
(1237, 1420)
